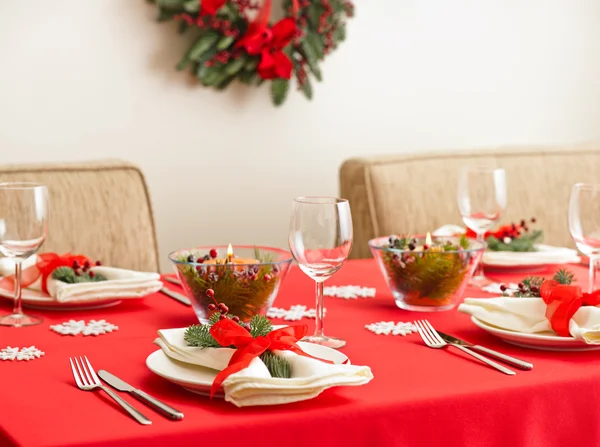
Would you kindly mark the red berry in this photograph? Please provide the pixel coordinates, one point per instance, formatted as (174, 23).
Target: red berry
(210, 293)
(213, 253)
(425, 247)
(77, 273)
(267, 277)
(86, 265)
(92, 274)
(503, 287)
(533, 220)
(236, 319)
(523, 223)
(199, 270)
(98, 262)
(534, 289)
(222, 316)
(75, 265)
(253, 277)
(223, 308)
(521, 285)
(212, 307)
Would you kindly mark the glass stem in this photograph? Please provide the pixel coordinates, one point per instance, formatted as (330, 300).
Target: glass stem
(479, 269)
(18, 310)
(592, 275)
(319, 310)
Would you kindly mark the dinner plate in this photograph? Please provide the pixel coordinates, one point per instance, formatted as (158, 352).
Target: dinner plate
(39, 300)
(544, 256)
(544, 341)
(198, 379)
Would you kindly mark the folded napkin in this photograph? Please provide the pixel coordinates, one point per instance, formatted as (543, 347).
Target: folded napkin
(120, 283)
(528, 315)
(254, 385)
(544, 254)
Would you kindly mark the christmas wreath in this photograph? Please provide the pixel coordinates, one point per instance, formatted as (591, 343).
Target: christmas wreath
(235, 40)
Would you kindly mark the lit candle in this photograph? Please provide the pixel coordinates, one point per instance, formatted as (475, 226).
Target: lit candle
(429, 244)
(231, 259)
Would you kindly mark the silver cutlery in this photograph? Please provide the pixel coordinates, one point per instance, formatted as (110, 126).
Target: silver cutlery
(172, 280)
(433, 340)
(176, 296)
(87, 380)
(490, 353)
(156, 404)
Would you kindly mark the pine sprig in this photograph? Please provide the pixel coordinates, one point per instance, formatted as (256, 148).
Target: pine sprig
(68, 275)
(530, 286)
(199, 335)
(564, 276)
(522, 244)
(277, 366)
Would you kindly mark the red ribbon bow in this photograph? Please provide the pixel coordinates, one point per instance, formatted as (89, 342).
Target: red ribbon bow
(210, 7)
(44, 266)
(227, 333)
(562, 301)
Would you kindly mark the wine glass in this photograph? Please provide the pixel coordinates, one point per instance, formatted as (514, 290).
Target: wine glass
(320, 240)
(23, 229)
(584, 224)
(481, 199)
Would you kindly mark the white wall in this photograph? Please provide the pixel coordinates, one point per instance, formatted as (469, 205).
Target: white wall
(95, 79)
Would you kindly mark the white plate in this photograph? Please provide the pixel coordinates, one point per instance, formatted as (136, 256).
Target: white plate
(40, 300)
(546, 342)
(198, 379)
(545, 255)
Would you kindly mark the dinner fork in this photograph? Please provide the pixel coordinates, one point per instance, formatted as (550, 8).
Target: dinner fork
(87, 380)
(433, 340)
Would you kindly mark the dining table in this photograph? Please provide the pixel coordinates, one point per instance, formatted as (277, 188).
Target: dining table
(418, 397)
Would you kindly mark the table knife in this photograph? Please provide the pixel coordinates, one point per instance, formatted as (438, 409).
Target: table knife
(154, 403)
(497, 355)
(172, 280)
(176, 296)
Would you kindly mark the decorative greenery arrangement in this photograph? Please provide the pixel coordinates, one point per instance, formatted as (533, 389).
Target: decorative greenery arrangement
(259, 326)
(529, 287)
(246, 290)
(513, 237)
(426, 275)
(73, 276)
(229, 46)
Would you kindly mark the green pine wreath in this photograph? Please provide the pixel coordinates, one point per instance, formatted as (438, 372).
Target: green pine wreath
(229, 46)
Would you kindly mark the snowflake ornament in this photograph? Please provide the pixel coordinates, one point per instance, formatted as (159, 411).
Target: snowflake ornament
(20, 354)
(94, 327)
(349, 292)
(294, 313)
(391, 328)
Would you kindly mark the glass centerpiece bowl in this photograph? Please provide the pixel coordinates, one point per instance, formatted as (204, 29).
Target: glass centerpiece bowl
(425, 274)
(245, 278)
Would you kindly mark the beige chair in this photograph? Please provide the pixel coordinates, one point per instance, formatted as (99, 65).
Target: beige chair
(98, 209)
(417, 193)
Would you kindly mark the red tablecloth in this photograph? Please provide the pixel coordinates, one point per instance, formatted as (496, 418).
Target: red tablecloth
(419, 397)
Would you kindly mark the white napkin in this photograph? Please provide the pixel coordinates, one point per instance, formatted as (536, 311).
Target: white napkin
(254, 385)
(544, 254)
(120, 283)
(528, 315)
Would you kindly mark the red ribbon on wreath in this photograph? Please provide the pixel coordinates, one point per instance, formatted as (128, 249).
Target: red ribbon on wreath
(227, 333)
(562, 301)
(46, 263)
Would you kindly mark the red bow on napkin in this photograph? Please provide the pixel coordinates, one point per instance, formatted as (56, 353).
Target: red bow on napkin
(46, 263)
(270, 42)
(562, 301)
(227, 333)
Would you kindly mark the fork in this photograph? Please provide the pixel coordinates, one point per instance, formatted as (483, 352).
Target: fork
(433, 340)
(87, 380)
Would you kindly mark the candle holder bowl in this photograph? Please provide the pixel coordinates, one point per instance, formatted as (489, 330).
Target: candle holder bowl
(427, 278)
(248, 283)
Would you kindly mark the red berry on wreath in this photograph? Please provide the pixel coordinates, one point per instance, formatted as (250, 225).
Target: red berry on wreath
(223, 308)
(222, 317)
(75, 265)
(503, 288)
(521, 285)
(98, 263)
(210, 293)
(267, 277)
(236, 319)
(213, 253)
(533, 220)
(86, 265)
(77, 272)
(212, 307)
(92, 274)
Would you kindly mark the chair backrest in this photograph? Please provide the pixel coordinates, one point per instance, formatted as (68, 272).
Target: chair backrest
(99, 209)
(414, 194)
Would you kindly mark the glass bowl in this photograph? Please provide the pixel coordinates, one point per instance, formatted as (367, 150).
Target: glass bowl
(247, 284)
(427, 280)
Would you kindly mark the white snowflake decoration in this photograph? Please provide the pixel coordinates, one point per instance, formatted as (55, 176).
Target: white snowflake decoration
(349, 292)
(20, 354)
(94, 327)
(495, 288)
(294, 313)
(389, 327)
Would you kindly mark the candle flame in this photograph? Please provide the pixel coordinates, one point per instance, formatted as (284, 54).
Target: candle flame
(428, 239)
(229, 252)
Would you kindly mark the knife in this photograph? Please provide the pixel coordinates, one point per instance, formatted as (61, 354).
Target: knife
(176, 296)
(154, 403)
(172, 280)
(497, 355)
